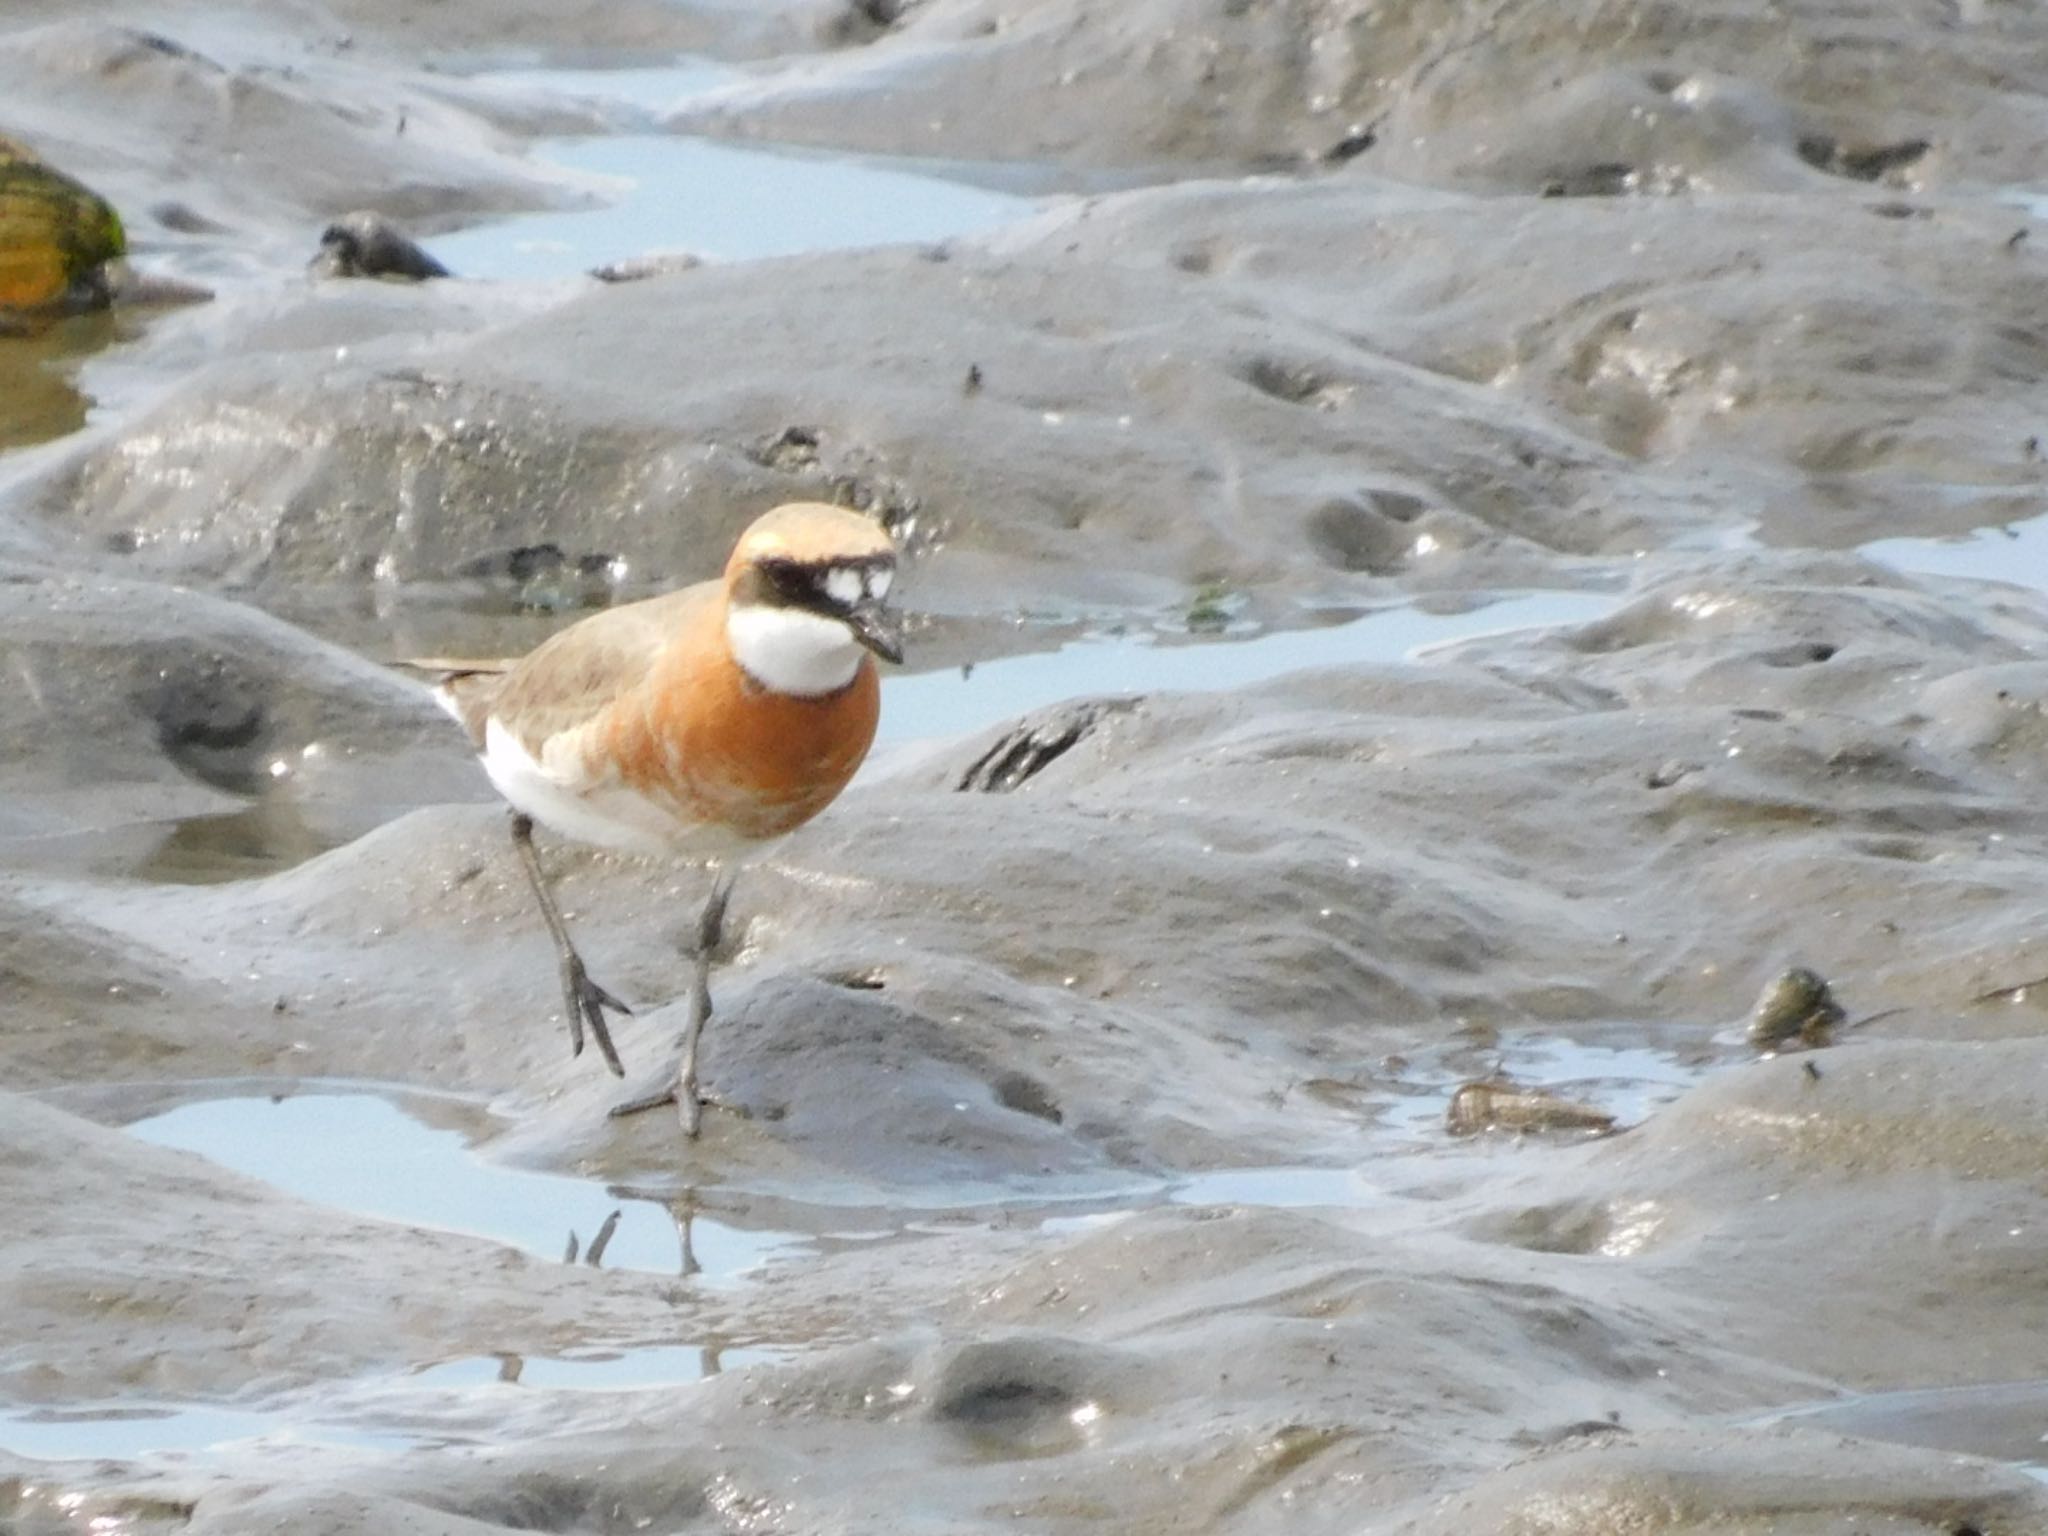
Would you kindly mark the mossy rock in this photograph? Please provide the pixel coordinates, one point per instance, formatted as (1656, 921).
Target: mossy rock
(56, 237)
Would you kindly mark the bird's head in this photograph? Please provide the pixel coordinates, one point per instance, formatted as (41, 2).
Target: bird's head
(807, 590)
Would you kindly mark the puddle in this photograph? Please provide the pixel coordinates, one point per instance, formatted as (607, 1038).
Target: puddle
(722, 202)
(2034, 201)
(661, 192)
(39, 399)
(660, 1365)
(385, 1158)
(128, 1430)
(1280, 1188)
(1629, 1082)
(2001, 1421)
(262, 838)
(409, 1158)
(2012, 552)
(362, 1153)
(957, 701)
(360, 1415)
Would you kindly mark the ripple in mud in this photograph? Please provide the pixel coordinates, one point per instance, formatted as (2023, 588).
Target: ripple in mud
(1592, 1228)
(639, 91)
(1278, 1188)
(1016, 1398)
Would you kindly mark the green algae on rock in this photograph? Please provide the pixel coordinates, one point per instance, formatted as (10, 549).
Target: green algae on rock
(57, 237)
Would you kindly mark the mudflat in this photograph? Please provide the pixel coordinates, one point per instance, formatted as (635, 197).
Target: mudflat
(1454, 552)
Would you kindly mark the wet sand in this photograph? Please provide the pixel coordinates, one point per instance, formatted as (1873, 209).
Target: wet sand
(1442, 554)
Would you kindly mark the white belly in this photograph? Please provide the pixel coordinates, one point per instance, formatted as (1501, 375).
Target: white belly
(608, 814)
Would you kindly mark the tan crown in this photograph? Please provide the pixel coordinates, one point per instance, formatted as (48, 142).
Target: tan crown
(810, 532)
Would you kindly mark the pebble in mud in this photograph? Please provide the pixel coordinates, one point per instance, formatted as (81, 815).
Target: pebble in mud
(635, 269)
(1494, 1105)
(365, 244)
(1797, 1006)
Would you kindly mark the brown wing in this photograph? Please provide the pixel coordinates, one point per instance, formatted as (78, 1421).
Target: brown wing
(572, 675)
(455, 666)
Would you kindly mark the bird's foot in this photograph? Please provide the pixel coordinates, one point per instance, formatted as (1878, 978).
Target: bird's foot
(690, 1102)
(585, 1001)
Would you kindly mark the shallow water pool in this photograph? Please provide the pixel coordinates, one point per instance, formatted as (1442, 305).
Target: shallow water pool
(365, 1153)
(953, 702)
(663, 193)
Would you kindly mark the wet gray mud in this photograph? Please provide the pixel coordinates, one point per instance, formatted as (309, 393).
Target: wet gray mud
(1449, 545)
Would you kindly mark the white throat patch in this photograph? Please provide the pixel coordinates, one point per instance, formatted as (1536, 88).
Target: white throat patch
(790, 651)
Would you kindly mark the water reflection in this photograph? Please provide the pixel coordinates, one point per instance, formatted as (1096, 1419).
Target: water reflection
(610, 1370)
(363, 1153)
(39, 399)
(267, 835)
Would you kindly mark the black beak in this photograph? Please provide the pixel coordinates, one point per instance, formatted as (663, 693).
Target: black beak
(878, 629)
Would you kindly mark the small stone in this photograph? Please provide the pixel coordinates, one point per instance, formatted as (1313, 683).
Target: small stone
(1797, 1006)
(365, 244)
(1495, 1105)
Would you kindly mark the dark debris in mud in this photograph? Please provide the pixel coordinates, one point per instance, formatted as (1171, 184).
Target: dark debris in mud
(1021, 754)
(365, 244)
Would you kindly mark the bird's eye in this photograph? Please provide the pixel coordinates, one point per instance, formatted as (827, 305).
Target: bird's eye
(843, 585)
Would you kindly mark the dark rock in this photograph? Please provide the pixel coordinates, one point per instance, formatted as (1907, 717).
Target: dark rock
(366, 244)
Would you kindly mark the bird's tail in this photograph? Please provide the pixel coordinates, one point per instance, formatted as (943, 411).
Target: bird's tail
(463, 686)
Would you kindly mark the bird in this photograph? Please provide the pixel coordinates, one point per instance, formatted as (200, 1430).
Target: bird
(706, 721)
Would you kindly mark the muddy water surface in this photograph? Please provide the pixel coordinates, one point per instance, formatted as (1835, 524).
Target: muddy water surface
(1435, 558)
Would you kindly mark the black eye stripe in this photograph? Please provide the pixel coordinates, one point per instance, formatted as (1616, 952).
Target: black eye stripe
(804, 582)
(789, 578)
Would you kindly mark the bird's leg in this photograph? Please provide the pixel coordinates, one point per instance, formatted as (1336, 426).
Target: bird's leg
(683, 1093)
(710, 930)
(583, 1000)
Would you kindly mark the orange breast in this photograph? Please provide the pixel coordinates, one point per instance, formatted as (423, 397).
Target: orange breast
(706, 739)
